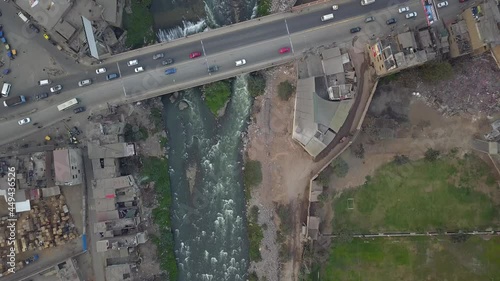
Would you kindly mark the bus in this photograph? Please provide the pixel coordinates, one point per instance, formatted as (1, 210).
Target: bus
(68, 104)
(367, 2)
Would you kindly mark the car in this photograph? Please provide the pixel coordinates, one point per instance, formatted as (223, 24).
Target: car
(213, 68)
(391, 21)
(462, 1)
(335, 7)
(56, 89)
(369, 19)
(139, 69)
(167, 61)
(78, 110)
(403, 9)
(241, 62)
(84, 83)
(100, 71)
(112, 76)
(411, 15)
(46, 36)
(41, 96)
(194, 55)
(132, 62)
(355, 29)
(284, 50)
(34, 28)
(170, 71)
(158, 56)
(442, 4)
(24, 121)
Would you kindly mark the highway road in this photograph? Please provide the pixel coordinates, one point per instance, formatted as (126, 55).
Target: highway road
(258, 41)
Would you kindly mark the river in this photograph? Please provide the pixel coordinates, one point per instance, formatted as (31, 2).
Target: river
(208, 215)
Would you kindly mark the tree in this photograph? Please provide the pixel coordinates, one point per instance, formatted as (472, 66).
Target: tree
(359, 151)
(401, 159)
(285, 90)
(340, 167)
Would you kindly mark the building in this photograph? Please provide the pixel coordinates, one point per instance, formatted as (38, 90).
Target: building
(66, 271)
(118, 227)
(118, 272)
(68, 166)
(114, 150)
(121, 242)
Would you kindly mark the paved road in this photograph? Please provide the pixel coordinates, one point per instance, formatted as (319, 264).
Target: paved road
(257, 41)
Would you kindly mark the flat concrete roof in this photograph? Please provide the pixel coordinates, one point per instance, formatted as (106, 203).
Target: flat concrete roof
(110, 10)
(62, 166)
(333, 65)
(118, 272)
(47, 12)
(114, 183)
(341, 114)
(115, 150)
(65, 29)
(304, 126)
(330, 53)
(407, 40)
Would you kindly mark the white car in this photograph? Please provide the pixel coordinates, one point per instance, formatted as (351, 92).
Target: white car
(404, 9)
(442, 4)
(411, 15)
(241, 62)
(24, 121)
(84, 83)
(132, 62)
(100, 70)
(335, 7)
(139, 69)
(56, 88)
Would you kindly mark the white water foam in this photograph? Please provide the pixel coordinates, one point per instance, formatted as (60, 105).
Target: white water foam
(187, 28)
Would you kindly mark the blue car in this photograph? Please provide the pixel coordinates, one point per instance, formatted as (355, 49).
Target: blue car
(170, 71)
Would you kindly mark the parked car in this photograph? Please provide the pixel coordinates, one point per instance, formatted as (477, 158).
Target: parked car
(170, 71)
(391, 21)
(167, 61)
(46, 36)
(32, 259)
(41, 96)
(284, 50)
(335, 7)
(79, 109)
(24, 121)
(411, 15)
(403, 9)
(194, 55)
(56, 89)
(442, 4)
(355, 29)
(213, 68)
(241, 62)
(112, 76)
(158, 56)
(369, 19)
(75, 131)
(139, 69)
(84, 83)
(100, 70)
(132, 62)
(34, 28)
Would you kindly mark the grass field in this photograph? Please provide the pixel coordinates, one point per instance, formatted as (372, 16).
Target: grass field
(446, 194)
(413, 259)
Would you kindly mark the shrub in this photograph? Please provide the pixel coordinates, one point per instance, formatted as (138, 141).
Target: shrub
(359, 151)
(252, 176)
(340, 167)
(436, 71)
(256, 84)
(285, 90)
(135, 133)
(324, 177)
(217, 94)
(263, 7)
(401, 159)
(431, 155)
(139, 24)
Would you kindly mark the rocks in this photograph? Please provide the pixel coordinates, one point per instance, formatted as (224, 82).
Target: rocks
(183, 105)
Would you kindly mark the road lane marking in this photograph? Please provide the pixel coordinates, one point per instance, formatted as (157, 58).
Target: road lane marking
(124, 91)
(287, 31)
(203, 47)
(289, 37)
(119, 72)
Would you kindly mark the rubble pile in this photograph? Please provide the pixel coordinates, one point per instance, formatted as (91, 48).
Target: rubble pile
(474, 88)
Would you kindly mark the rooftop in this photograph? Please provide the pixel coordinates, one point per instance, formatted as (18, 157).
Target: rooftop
(115, 150)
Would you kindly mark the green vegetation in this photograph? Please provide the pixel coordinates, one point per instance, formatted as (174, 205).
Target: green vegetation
(413, 259)
(217, 94)
(263, 8)
(285, 213)
(135, 133)
(156, 118)
(163, 141)
(256, 84)
(156, 170)
(324, 177)
(285, 90)
(436, 71)
(252, 176)
(139, 24)
(444, 194)
(255, 234)
(340, 167)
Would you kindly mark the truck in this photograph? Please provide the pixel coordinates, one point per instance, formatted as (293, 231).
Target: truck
(14, 101)
(367, 2)
(23, 17)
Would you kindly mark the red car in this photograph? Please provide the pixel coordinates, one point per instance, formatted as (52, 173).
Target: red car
(194, 55)
(284, 50)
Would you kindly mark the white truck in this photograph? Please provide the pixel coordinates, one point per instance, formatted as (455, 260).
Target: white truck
(23, 17)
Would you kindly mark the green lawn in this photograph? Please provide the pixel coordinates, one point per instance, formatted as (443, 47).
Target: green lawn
(421, 196)
(217, 94)
(411, 259)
